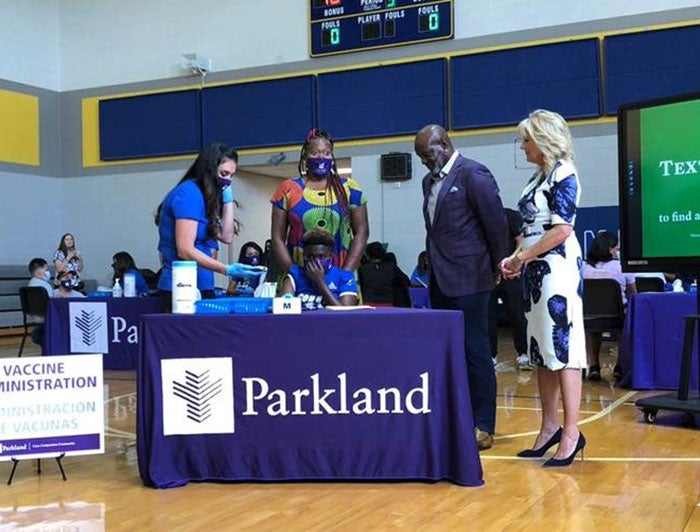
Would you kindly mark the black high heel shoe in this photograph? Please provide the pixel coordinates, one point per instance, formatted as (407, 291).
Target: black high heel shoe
(580, 444)
(539, 453)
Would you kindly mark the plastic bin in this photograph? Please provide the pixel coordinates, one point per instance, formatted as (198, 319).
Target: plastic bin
(234, 305)
(99, 293)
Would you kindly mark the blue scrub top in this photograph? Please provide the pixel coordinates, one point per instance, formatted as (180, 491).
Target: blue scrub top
(185, 201)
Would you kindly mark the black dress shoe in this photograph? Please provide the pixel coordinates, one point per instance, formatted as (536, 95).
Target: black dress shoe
(539, 453)
(580, 444)
(594, 373)
(617, 372)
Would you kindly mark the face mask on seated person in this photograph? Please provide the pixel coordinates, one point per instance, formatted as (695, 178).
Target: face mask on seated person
(67, 284)
(253, 260)
(47, 276)
(323, 263)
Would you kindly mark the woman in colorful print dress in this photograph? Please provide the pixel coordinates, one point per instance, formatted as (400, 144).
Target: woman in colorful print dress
(319, 199)
(550, 263)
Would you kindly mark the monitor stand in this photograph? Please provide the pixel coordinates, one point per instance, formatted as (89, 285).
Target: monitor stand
(683, 401)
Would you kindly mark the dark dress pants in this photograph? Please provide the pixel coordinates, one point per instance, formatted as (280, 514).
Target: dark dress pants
(511, 292)
(482, 377)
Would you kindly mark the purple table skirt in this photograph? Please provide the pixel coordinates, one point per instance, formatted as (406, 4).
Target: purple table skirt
(400, 349)
(652, 341)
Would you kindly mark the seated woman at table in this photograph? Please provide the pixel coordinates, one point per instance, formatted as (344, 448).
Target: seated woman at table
(66, 283)
(123, 263)
(602, 263)
(421, 273)
(252, 255)
(319, 283)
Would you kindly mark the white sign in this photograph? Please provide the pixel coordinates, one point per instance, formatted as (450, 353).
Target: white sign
(88, 327)
(286, 305)
(50, 406)
(197, 395)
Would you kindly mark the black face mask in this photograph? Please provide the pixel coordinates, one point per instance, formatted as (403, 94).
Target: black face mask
(67, 284)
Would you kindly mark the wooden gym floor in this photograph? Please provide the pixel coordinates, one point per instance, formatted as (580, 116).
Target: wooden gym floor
(635, 477)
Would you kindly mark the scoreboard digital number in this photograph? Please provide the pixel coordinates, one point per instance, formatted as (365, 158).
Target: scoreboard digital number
(339, 26)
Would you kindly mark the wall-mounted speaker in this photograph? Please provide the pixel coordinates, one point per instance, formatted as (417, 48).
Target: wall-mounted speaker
(396, 166)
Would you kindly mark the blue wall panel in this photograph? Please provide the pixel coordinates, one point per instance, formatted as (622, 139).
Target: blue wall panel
(652, 64)
(383, 101)
(591, 220)
(258, 114)
(501, 88)
(149, 126)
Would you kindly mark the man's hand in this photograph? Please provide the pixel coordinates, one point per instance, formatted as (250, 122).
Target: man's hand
(315, 273)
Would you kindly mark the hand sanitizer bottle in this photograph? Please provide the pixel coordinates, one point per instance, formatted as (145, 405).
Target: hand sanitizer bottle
(116, 289)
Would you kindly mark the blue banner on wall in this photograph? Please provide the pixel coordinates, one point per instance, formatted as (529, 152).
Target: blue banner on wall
(591, 220)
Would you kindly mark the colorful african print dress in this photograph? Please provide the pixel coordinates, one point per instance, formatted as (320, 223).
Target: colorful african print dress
(552, 283)
(317, 209)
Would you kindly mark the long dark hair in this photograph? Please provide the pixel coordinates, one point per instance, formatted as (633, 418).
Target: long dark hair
(333, 182)
(122, 262)
(204, 172)
(62, 246)
(256, 247)
(600, 248)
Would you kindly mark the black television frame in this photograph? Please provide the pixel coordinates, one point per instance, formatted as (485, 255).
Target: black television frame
(628, 231)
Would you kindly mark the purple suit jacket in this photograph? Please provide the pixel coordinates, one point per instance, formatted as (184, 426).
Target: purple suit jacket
(469, 233)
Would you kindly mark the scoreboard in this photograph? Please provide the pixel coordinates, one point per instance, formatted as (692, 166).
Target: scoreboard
(339, 26)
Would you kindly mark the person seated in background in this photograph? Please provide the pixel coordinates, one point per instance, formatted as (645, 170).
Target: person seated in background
(402, 296)
(382, 283)
(421, 273)
(318, 283)
(123, 263)
(66, 283)
(40, 277)
(602, 263)
(252, 255)
(680, 281)
(510, 291)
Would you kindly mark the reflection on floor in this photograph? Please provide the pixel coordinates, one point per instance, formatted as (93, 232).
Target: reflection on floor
(635, 477)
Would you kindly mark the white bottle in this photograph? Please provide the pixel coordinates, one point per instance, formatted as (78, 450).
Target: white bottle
(116, 289)
(184, 286)
(129, 285)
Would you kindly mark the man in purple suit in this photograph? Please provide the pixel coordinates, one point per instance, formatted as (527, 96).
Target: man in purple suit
(467, 236)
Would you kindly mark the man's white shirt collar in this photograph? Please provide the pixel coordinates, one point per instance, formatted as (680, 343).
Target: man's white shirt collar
(445, 170)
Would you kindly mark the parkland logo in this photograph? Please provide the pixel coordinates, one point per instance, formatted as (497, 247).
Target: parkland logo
(197, 390)
(197, 396)
(88, 327)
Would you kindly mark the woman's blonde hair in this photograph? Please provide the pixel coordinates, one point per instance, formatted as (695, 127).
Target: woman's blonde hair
(550, 132)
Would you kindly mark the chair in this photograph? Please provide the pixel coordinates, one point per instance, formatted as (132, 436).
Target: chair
(602, 305)
(150, 277)
(34, 300)
(649, 284)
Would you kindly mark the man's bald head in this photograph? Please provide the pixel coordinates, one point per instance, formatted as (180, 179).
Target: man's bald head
(434, 147)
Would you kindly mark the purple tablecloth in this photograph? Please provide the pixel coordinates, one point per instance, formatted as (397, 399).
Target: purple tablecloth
(652, 340)
(119, 328)
(420, 297)
(306, 393)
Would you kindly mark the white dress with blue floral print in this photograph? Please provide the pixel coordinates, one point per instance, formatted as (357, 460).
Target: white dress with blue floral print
(552, 283)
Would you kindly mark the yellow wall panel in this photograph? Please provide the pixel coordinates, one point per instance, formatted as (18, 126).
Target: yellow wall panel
(19, 128)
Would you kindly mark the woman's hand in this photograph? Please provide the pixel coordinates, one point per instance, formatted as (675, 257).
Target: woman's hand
(511, 266)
